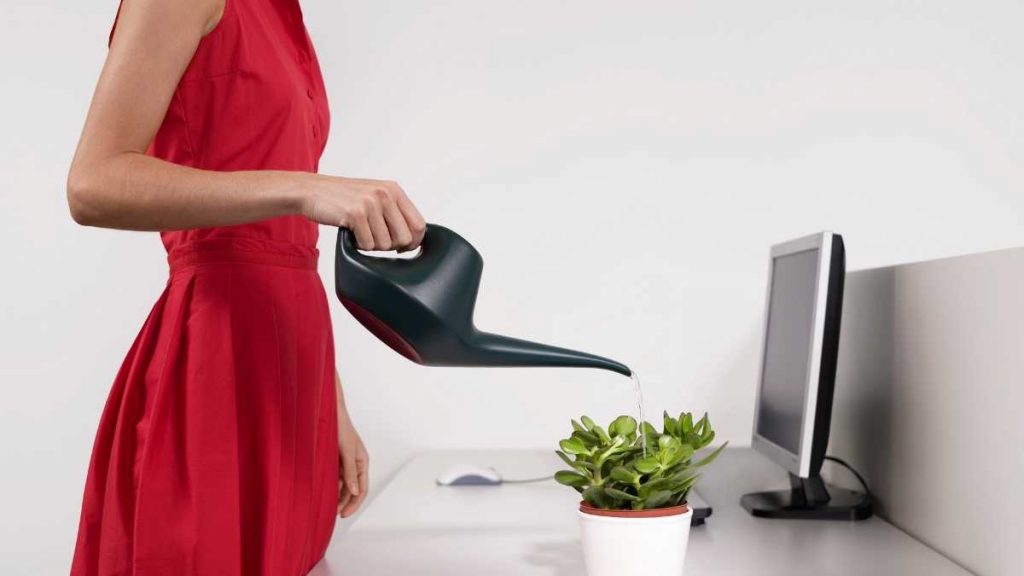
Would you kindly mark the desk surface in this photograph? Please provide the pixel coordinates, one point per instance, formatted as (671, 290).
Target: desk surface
(415, 527)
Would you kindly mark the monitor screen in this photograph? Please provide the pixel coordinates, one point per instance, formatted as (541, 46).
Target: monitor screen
(787, 348)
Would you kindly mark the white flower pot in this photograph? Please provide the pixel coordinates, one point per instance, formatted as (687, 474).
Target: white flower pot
(635, 543)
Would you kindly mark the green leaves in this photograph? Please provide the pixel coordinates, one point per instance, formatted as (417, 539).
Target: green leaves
(620, 468)
(620, 494)
(574, 479)
(686, 422)
(622, 426)
(710, 457)
(574, 446)
(671, 425)
(624, 475)
(648, 464)
(598, 498)
(658, 498)
(581, 466)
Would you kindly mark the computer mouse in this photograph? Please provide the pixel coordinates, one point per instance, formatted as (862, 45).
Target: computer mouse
(469, 475)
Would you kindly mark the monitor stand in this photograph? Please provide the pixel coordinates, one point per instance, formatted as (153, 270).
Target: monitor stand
(809, 499)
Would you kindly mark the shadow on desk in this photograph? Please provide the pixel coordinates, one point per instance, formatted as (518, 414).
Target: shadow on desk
(451, 552)
(559, 557)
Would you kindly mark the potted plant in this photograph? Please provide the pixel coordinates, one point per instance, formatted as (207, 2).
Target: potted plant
(634, 481)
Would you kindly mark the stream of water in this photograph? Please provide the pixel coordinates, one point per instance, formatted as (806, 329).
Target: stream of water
(640, 408)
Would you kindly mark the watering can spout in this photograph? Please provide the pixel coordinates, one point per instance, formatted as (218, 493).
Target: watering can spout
(422, 307)
(499, 350)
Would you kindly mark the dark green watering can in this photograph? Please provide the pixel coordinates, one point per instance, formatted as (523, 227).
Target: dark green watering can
(422, 307)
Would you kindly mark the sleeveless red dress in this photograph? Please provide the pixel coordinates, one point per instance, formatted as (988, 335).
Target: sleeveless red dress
(217, 451)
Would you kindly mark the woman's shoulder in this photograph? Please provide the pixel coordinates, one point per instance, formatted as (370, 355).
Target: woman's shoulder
(212, 10)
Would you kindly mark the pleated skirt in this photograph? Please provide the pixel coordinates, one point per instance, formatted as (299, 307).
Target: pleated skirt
(217, 450)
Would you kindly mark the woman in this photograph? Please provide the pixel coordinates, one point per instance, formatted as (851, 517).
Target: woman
(225, 447)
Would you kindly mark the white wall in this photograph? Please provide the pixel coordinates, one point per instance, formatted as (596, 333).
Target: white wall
(622, 166)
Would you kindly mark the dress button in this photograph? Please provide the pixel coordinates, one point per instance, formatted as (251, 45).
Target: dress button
(309, 92)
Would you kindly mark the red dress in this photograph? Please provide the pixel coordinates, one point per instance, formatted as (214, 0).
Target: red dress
(217, 451)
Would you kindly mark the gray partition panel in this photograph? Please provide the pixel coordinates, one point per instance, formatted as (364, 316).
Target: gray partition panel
(930, 402)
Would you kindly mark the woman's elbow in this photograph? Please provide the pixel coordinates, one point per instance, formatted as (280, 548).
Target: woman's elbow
(82, 198)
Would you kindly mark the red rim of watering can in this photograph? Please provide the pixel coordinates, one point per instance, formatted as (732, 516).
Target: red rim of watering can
(382, 331)
(652, 513)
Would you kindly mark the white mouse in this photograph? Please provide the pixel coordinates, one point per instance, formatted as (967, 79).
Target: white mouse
(469, 475)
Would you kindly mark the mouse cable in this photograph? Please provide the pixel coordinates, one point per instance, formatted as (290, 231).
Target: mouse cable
(527, 480)
(860, 478)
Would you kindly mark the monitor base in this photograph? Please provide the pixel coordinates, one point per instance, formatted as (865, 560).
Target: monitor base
(809, 499)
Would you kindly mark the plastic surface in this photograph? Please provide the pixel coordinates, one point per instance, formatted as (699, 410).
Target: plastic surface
(422, 307)
(635, 546)
(469, 475)
(829, 354)
(809, 499)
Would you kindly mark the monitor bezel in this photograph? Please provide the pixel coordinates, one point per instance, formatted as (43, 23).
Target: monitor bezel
(800, 462)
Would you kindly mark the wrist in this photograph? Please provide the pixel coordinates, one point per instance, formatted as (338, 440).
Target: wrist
(297, 192)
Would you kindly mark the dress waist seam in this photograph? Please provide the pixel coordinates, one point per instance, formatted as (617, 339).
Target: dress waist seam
(242, 250)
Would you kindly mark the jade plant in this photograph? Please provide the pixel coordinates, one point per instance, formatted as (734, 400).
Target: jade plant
(625, 467)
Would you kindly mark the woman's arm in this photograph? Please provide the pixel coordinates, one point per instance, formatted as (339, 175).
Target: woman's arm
(112, 182)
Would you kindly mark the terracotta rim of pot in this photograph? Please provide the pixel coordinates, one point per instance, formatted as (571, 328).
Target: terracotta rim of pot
(652, 513)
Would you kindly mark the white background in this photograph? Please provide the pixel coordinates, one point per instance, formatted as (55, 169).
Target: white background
(622, 166)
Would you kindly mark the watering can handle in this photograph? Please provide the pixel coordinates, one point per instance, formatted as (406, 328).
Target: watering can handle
(434, 238)
(349, 245)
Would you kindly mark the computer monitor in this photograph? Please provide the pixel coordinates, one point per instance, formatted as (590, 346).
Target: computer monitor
(797, 377)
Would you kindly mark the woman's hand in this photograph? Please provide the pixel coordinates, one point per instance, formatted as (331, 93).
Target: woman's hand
(353, 481)
(353, 461)
(377, 211)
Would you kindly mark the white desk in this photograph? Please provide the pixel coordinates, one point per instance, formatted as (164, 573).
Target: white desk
(416, 528)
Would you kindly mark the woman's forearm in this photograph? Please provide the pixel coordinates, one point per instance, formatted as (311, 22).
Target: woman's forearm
(132, 191)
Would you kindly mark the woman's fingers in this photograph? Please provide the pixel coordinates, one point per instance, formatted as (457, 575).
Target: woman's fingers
(374, 203)
(360, 226)
(353, 504)
(401, 236)
(344, 496)
(363, 464)
(349, 475)
(414, 220)
(355, 476)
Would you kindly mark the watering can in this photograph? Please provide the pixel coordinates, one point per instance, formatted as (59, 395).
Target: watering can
(422, 306)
